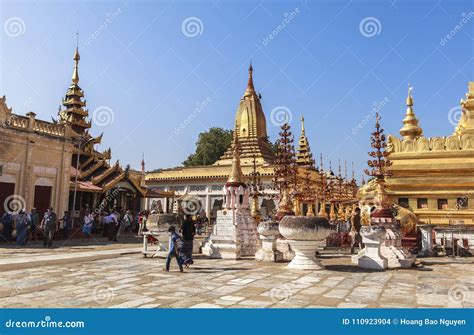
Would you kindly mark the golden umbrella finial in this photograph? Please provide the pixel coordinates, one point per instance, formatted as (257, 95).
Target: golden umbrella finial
(77, 57)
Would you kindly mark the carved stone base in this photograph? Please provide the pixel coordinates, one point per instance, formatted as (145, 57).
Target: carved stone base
(268, 256)
(283, 246)
(304, 255)
(370, 257)
(233, 236)
(392, 250)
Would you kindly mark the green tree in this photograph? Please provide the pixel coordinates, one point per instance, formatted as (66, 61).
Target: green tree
(210, 146)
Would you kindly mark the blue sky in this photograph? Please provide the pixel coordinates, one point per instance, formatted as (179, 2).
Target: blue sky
(332, 61)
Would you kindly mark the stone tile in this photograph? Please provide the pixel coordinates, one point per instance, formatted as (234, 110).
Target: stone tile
(351, 305)
(232, 298)
(205, 305)
(337, 293)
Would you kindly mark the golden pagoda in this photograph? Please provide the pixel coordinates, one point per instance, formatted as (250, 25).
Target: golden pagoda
(434, 176)
(205, 183)
(251, 129)
(304, 157)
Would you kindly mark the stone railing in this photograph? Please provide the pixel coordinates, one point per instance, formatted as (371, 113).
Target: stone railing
(434, 144)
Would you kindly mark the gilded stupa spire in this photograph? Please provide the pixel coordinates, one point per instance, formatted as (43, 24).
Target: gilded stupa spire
(466, 121)
(74, 113)
(77, 58)
(250, 127)
(304, 157)
(236, 176)
(250, 90)
(410, 129)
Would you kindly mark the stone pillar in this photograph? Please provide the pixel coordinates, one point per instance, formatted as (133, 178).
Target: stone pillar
(426, 239)
(269, 232)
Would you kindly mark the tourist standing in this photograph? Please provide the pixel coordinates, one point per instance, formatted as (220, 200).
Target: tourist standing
(105, 224)
(113, 225)
(188, 230)
(125, 223)
(66, 224)
(175, 244)
(22, 223)
(34, 224)
(49, 226)
(142, 223)
(87, 226)
(355, 230)
(7, 222)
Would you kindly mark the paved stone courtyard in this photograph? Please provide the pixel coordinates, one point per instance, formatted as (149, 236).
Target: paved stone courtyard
(129, 280)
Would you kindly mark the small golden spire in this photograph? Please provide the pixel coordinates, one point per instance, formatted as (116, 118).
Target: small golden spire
(250, 91)
(410, 129)
(302, 124)
(236, 176)
(77, 57)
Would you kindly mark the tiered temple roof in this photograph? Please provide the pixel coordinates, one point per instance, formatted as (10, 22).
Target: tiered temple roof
(304, 157)
(75, 113)
(94, 173)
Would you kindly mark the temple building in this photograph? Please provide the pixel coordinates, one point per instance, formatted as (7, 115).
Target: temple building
(35, 162)
(204, 185)
(434, 177)
(56, 164)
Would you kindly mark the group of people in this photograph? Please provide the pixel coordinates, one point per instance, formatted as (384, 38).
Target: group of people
(23, 226)
(27, 226)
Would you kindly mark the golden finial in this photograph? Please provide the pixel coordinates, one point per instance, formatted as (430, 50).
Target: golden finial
(236, 176)
(321, 167)
(77, 57)
(410, 129)
(250, 91)
(302, 124)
